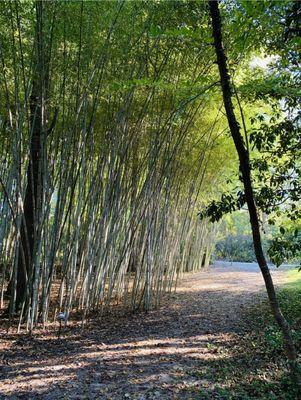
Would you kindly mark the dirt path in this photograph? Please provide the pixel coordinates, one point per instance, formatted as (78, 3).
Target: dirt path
(146, 356)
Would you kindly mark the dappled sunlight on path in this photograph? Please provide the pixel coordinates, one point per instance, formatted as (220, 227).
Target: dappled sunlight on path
(141, 356)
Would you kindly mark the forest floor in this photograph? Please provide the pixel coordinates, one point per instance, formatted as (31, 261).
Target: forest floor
(197, 345)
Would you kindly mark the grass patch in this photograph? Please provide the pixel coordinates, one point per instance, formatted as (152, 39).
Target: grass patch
(293, 280)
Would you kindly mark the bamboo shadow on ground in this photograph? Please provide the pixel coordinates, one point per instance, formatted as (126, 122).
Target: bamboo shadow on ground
(130, 354)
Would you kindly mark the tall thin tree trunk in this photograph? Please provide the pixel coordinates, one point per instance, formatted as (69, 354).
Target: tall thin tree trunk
(34, 191)
(244, 162)
(27, 234)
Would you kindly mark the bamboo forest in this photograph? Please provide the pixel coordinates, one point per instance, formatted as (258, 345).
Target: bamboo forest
(150, 214)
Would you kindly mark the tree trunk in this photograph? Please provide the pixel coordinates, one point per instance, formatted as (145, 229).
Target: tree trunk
(34, 189)
(244, 163)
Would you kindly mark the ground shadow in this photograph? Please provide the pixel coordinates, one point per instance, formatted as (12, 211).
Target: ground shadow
(184, 350)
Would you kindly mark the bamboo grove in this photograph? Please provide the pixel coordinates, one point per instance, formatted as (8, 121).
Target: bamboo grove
(107, 132)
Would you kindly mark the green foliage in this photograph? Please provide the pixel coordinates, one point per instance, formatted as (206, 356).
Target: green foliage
(228, 204)
(235, 248)
(289, 297)
(286, 247)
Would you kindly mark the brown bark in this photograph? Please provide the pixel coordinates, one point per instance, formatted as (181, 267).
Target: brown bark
(244, 163)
